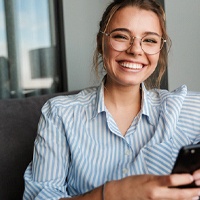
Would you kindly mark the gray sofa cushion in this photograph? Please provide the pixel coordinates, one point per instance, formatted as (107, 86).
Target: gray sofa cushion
(18, 127)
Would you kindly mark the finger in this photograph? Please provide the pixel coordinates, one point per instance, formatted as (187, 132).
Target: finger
(197, 171)
(179, 179)
(173, 193)
(196, 176)
(189, 193)
(197, 182)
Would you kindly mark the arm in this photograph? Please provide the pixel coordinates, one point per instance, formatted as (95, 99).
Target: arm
(96, 194)
(144, 187)
(45, 177)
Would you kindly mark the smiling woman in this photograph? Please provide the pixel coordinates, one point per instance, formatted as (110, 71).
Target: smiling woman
(118, 140)
(30, 58)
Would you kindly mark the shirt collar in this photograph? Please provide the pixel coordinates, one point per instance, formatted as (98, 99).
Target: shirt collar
(150, 105)
(152, 101)
(99, 104)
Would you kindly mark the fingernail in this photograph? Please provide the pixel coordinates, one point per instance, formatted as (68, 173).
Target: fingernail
(191, 178)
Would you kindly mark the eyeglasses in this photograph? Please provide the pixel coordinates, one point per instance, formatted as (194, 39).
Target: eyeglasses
(122, 40)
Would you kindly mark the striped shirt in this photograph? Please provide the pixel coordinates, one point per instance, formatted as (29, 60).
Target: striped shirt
(79, 146)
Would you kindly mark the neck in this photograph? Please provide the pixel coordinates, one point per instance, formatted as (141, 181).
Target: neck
(120, 96)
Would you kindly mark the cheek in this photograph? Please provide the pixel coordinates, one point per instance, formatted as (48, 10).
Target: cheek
(109, 53)
(153, 59)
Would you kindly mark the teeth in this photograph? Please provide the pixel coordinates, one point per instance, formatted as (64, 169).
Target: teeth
(131, 65)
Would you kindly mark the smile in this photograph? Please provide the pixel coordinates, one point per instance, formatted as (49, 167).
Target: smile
(131, 65)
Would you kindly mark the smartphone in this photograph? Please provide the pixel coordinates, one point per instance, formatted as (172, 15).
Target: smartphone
(188, 160)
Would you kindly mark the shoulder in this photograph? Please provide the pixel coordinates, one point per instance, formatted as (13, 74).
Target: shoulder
(165, 97)
(192, 98)
(179, 98)
(167, 104)
(84, 98)
(179, 110)
(191, 105)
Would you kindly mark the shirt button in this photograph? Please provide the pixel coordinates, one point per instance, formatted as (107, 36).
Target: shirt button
(128, 152)
(125, 171)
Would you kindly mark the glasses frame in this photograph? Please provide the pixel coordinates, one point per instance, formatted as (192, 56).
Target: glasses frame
(132, 40)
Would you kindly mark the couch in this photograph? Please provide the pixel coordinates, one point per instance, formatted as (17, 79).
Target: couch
(18, 128)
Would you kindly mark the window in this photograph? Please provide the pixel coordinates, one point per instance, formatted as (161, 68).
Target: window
(29, 59)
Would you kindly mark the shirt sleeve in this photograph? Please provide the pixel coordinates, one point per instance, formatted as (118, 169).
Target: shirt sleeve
(45, 177)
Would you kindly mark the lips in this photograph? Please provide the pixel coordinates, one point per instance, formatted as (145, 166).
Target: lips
(131, 65)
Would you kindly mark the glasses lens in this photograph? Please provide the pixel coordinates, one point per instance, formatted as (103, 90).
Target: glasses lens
(152, 43)
(120, 40)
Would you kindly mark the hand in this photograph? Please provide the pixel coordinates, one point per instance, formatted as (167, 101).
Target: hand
(196, 176)
(150, 187)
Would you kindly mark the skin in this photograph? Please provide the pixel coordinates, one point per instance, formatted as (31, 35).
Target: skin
(122, 95)
(138, 22)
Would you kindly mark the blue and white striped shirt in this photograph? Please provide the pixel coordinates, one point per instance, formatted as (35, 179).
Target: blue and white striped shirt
(79, 147)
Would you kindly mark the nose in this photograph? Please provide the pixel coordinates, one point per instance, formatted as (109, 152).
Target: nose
(135, 46)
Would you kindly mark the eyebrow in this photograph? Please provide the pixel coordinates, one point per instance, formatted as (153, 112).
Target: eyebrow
(121, 29)
(127, 30)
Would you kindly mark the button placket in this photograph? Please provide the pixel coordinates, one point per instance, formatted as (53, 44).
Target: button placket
(125, 171)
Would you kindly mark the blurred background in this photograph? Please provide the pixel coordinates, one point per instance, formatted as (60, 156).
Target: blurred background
(46, 46)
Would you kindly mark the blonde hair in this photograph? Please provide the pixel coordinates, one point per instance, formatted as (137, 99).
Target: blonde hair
(151, 5)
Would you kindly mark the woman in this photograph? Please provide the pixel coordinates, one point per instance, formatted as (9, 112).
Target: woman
(119, 140)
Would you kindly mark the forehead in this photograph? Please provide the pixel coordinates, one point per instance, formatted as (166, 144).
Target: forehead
(137, 20)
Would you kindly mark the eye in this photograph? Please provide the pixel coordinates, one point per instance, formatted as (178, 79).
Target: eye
(119, 36)
(149, 40)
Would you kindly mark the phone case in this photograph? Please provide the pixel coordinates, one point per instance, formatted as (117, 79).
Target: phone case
(188, 161)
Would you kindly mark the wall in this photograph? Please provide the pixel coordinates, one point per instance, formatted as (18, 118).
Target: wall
(183, 24)
(81, 19)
